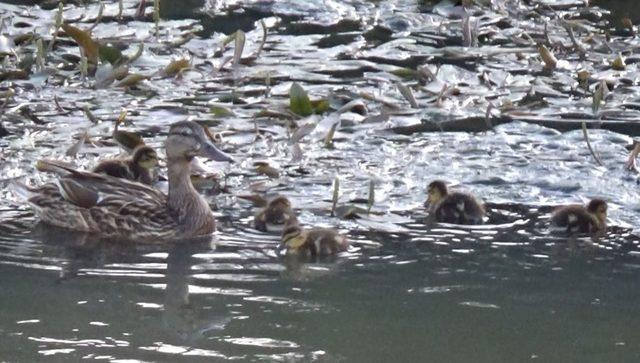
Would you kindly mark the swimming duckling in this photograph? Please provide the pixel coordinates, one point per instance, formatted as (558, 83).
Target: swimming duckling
(455, 208)
(311, 242)
(582, 219)
(139, 167)
(274, 215)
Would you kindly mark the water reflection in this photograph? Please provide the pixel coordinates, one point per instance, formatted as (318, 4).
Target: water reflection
(229, 299)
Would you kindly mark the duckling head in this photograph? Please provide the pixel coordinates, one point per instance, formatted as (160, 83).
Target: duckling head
(293, 236)
(598, 208)
(187, 139)
(436, 191)
(280, 211)
(145, 157)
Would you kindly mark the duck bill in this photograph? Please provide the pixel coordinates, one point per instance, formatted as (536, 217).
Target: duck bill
(210, 151)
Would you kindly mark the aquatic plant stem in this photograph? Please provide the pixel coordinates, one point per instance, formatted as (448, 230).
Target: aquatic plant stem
(586, 138)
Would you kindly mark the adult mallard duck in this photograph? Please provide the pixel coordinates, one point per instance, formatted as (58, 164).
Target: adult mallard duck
(113, 207)
(274, 215)
(311, 242)
(139, 167)
(581, 219)
(455, 208)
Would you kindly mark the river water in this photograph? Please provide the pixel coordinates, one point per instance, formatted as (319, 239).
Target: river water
(510, 290)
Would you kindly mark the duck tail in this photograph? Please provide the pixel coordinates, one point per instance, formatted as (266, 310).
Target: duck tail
(56, 167)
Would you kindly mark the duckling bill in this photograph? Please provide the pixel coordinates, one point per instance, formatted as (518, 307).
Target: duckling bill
(581, 219)
(314, 242)
(140, 167)
(454, 208)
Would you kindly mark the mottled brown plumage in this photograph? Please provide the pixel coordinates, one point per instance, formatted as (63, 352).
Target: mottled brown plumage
(139, 167)
(312, 242)
(581, 219)
(114, 207)
(274, 215)
(455, 208)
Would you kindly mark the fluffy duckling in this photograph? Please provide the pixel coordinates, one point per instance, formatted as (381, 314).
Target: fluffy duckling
(311, 242)
(139, 167)
(274, 215)
(455, 208)
(582, 219)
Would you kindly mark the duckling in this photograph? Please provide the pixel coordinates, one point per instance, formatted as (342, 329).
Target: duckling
(311, 242)
(274, 215)
(139, 167)
(582, 219)
(455, 208)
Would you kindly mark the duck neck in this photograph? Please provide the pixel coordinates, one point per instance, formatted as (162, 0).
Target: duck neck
(182, 194)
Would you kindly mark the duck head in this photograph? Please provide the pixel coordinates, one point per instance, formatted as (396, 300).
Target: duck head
(436, 191)
(187, 140)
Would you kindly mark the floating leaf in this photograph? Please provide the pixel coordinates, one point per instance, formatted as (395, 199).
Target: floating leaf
(336, 195)
(350, 212)
(219, 111)
(274, 114)
(6, 45)
(328, 140)
(407, 73)
(131, 80)
(548, 58)
(372, 195)
(356, 106)
(90, 115)
(11, 74)
(407, 94)
(296, 152)
(264, 40)
(239, 48)
(299, 101)
(257, 200)
(583, 75)
(138, 53)
(619, 64)
(75, 148)
(320, 106)
(110, 54)
(121, 71)
(262, 167)
(88, 45)
(175, 67)
(302, 131)
(127, 139)
(599, 95)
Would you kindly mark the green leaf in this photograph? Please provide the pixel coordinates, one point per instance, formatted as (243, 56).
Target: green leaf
(299, 102)
(320, 106)
(110, 54)
(406, 73)
(219, 111)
